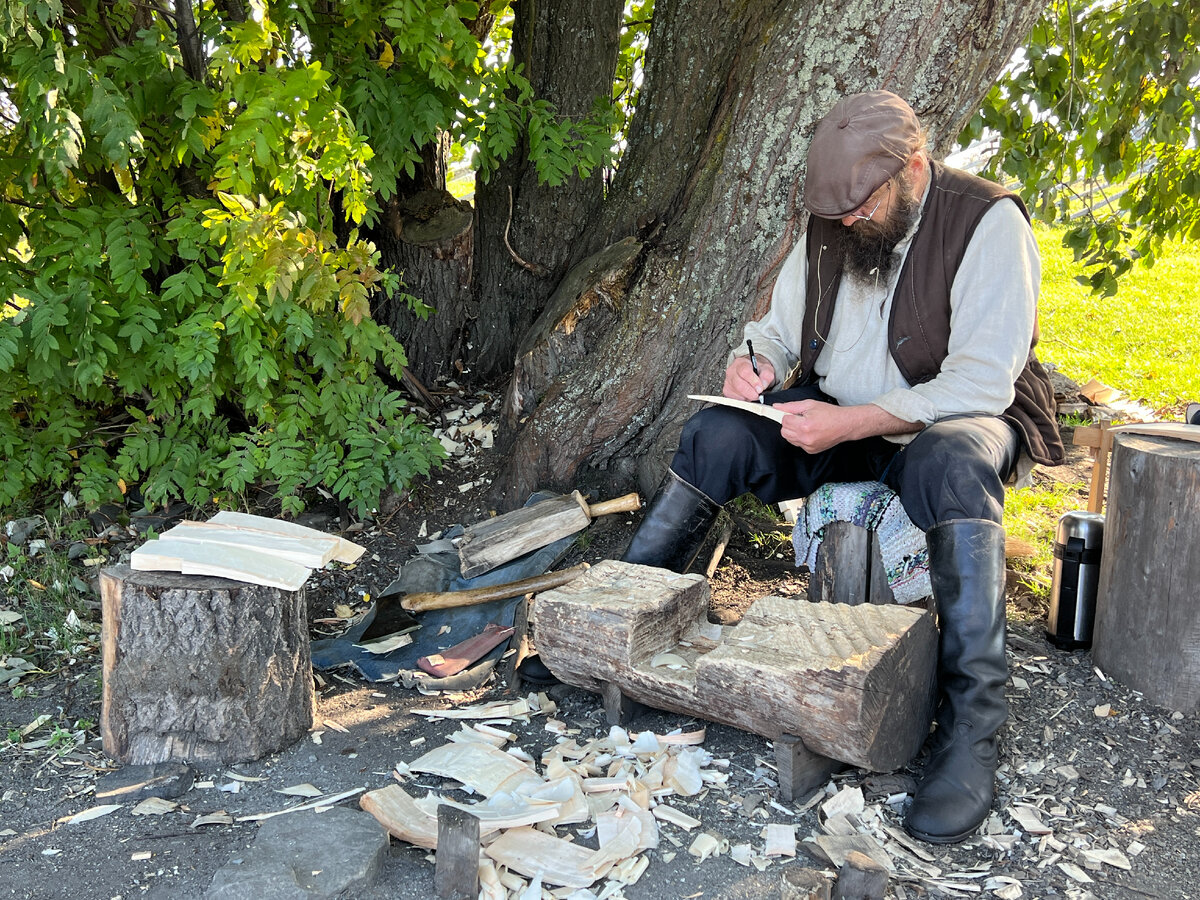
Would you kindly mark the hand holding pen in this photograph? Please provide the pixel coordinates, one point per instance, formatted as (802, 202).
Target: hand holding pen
(746, 377)
(754, 364)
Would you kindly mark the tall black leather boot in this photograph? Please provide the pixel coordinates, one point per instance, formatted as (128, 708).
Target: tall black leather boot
(674, 527)
(966, 567)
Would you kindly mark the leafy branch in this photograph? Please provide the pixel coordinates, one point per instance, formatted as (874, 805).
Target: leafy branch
(1085, 114)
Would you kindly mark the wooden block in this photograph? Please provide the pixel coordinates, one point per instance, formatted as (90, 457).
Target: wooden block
(311, 552)
(201, 668)
(618, 709)
(843, 570)
(849, 567)
(860, 878)
(800, 770)
(854, 682)
(493, 542)
(456, 876)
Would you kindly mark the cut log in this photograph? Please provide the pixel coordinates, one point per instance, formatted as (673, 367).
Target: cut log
(1147, 624)
(849, 567)
(496, 541)
(200, 668)
(854, 683)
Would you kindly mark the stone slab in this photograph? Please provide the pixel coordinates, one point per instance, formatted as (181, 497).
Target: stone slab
(304, 856)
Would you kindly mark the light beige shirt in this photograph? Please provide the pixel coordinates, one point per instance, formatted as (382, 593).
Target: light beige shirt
(993, 304)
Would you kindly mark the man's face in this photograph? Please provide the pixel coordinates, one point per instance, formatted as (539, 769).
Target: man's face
(870, 234)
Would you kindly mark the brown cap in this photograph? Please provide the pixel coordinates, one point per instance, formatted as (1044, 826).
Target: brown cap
(861, 143)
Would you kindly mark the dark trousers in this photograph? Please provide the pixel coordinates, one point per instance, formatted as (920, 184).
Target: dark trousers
(953, 469)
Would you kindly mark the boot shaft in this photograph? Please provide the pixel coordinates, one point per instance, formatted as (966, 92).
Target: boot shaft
(674, 527)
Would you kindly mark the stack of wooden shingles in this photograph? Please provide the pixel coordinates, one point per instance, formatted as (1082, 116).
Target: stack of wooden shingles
(256, 549)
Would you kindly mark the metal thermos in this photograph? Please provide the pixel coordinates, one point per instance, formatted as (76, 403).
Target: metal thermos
(1077, 548)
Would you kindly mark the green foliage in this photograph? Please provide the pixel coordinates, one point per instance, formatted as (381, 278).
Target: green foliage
(185, 285)
(1130, 342)
(635, 36)
(1099, 123)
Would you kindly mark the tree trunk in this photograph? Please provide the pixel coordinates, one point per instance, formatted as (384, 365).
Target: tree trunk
(527, 234)
(489, 280)
(712, 183)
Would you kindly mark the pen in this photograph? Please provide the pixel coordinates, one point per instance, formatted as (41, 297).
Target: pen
(753, 363)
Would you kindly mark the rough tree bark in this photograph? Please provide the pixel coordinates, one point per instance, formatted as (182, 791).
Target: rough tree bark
(710, 188)
(488, 271)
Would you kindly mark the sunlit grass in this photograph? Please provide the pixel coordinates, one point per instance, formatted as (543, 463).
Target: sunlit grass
(1145, 341)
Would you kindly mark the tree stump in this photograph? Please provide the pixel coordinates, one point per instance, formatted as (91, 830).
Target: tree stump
(1147, 627)
(199, 668)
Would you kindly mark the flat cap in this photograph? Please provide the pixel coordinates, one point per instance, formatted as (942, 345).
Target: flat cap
(861, 143)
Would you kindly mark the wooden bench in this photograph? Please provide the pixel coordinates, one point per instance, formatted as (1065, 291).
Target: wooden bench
(829, 683)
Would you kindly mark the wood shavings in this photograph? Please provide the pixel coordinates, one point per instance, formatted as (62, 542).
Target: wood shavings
(1027, 818)
(1074, 872)
(88, 815)
(849, 800)
(154, 806)
(707, 845)
(301, 790)
(1109, 856)
(315, 804)
(676, 817)
(669, 660)
(532, 852)
(217, 818)
(780, 840)
(481, 767)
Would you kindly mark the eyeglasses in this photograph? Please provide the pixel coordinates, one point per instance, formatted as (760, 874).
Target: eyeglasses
(867, 217)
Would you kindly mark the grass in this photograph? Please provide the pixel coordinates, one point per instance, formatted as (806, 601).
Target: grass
(46, 589)
(1140, 342)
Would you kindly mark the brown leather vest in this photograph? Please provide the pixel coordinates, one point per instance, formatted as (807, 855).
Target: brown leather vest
(919, 326)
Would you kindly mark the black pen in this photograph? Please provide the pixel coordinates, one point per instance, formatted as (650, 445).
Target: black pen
(753, 363)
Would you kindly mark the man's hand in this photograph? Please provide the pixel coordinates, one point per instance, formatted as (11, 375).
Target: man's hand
(742, 384)
(814, 426)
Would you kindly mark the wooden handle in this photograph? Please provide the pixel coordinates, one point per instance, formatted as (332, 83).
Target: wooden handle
(628, 503)
(471, 596)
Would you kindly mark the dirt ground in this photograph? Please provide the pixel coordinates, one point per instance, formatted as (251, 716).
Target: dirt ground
(1098, 794)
